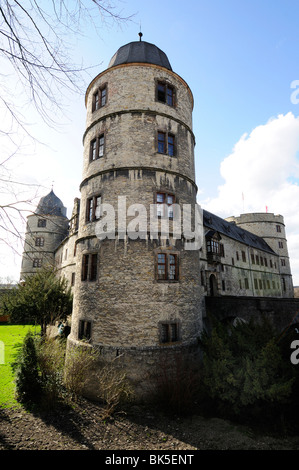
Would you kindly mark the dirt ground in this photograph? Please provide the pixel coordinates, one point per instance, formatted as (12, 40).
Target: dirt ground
(137, 428)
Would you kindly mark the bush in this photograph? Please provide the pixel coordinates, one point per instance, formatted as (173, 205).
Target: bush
(27, 378)
(51, 357)
(114, 387)
(244, 372)
(79, 362)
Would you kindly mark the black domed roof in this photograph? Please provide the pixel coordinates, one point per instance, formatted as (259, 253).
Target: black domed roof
(51, 205)
(140, 51)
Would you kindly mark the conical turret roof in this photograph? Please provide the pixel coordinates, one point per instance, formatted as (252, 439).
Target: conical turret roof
(51, 205)
(142, 52)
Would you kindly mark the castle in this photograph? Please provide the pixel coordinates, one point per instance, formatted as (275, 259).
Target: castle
(140, 280)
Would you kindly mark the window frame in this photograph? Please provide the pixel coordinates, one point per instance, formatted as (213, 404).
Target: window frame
(37, 262)
(96, 148)
(163, 94)
(39, 241)
(165, 204)
(89, 267)
(164, 145)
(100, 97)
(169, 332)
(84, 327)
(42, 223)
(167, 261)
(91, 208)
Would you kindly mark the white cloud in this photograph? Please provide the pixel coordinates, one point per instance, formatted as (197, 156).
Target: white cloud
(263, 171)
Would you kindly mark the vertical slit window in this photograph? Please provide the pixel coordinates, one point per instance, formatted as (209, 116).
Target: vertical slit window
(170, 145)
(93, 267)
(84, 274)
(161, 266)
(161, 142)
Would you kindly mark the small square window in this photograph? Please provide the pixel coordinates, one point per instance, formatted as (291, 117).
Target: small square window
(37, 262)
(39, 241)
(41, 223)
(169, 332)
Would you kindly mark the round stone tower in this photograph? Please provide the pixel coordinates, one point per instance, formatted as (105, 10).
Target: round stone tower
(45, 229)
(137, 295)
(271, 228)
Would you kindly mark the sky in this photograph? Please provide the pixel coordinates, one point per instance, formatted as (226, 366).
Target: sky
(240, 59)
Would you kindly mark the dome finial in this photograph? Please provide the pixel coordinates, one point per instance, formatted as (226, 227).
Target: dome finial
(140, 33)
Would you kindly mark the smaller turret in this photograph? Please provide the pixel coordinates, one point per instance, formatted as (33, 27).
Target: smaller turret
(46, 228)
(271, 228)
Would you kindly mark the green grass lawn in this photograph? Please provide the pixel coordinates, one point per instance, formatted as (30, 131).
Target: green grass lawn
(11, 337)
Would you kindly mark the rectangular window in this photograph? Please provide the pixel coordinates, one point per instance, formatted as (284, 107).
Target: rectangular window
(237, 255)
(213, 246)
(84, 330)
(255, 283)
(39, 241)
(73, 279)
(257, 259)
(166, 143)
(280, 244)
(169, 332)
(244, 256)
(167, 267)
(89, 267)
(165, 93)
(93, 207)
(223, 285)
(278, 228)
(97, 148)
(41, 223)
(246, 283)
(260, 284)
(164, 204)
(37, 262)
(283, 262)
(99, 98)
(252, 259)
